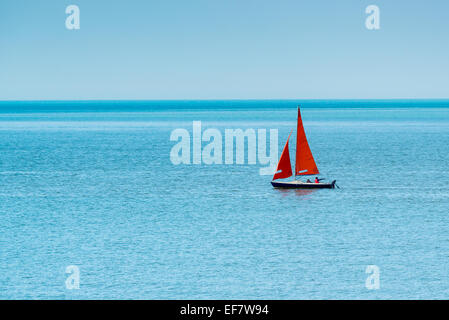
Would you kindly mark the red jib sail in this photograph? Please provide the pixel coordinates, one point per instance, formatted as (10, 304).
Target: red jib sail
(284, 164)
(305, 164)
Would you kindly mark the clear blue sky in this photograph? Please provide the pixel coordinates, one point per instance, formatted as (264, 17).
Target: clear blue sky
(230, 49)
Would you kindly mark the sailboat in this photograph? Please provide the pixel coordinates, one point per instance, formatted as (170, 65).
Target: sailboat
(304, 165)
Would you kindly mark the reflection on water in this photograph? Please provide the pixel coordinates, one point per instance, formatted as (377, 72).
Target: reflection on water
(303, 193)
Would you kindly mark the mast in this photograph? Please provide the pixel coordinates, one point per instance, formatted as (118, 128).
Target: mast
(304, 164)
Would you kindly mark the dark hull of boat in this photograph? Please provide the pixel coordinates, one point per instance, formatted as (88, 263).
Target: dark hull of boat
(303, 185)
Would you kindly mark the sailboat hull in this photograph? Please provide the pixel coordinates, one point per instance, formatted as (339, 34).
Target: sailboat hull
(302, 185)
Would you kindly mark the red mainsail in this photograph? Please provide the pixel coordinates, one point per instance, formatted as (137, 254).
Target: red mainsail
(284, 164)
(305, 164)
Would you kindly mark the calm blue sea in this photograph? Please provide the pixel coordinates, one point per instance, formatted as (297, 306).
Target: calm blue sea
(91, 184)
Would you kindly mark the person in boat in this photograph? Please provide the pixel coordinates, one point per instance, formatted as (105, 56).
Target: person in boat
(317, 180)
(308, 181)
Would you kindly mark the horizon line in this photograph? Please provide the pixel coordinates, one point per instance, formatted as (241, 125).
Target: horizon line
(228, 99)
